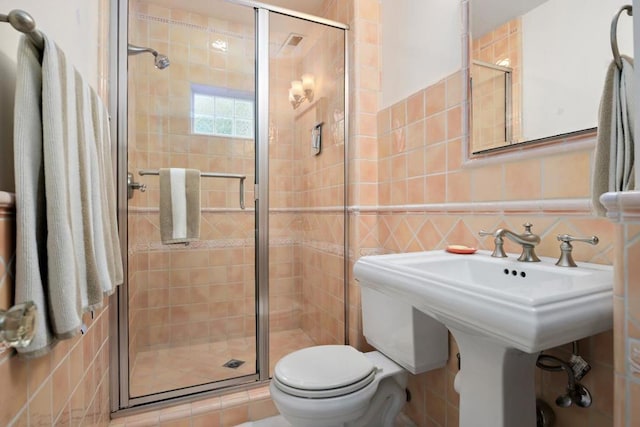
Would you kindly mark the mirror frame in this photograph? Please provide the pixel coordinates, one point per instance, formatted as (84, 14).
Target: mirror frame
(571, 141)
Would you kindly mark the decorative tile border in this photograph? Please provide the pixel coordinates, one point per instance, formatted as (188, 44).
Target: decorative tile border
(326, 209)
(206, 29)
(622, 206)
(547, 206)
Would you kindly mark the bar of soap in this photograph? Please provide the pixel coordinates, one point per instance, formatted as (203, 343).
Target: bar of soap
(460, 249)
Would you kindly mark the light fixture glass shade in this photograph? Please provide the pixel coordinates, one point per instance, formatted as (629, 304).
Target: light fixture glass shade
(296, 88)
(308, 82)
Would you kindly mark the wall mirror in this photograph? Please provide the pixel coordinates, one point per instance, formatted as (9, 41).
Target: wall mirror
(537, 68)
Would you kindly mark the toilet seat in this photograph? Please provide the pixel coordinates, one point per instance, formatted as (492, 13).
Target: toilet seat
(323, 372)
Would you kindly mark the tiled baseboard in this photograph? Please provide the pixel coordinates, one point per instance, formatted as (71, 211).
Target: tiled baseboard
(220, 411)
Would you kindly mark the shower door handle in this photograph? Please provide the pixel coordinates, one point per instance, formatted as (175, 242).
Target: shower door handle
(132, 185)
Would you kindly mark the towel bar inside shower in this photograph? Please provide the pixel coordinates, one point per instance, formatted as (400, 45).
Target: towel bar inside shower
(143, 172)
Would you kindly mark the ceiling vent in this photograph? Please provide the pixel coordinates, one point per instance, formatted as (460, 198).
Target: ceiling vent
(290, 45)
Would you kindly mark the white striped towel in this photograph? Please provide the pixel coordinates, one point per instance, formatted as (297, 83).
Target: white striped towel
(179, 205)
(613, 168)
(31, 225)
(66, 193)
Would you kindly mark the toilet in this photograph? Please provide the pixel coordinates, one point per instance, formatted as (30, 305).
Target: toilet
(337, 385)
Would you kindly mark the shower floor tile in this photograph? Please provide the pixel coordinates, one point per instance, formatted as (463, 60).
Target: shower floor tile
(167, 369)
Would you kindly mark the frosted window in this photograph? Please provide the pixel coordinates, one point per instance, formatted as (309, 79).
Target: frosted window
(221, 112)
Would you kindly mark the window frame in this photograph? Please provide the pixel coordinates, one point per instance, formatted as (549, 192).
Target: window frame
(227, 93)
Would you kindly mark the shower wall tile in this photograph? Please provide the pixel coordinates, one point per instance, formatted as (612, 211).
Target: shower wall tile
(162, 131)
(163, 139)
(181, 289)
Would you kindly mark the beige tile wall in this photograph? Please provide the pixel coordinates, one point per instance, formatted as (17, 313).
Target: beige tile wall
(420, 160)
(363, 17)
(70, 385)
(160, 127)
(412, 154)
(319, 184)
(285, 293)
(627, 324)
(323, 277)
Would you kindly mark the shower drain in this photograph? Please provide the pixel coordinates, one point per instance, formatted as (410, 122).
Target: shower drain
(233, 363)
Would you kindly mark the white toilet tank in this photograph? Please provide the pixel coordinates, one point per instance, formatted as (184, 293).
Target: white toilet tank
(412, 339)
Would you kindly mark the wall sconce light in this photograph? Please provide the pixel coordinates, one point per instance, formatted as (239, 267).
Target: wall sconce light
(301, 90)
(18, 325)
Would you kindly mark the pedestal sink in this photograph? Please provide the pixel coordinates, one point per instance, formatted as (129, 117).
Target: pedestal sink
(502, 312)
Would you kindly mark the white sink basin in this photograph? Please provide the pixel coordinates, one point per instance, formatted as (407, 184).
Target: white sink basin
(502, 312)
(527, 306)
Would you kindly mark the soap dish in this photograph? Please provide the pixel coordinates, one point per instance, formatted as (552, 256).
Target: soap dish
(460, 249)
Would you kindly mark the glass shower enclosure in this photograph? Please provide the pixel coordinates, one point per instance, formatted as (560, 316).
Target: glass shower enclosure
(253, 97)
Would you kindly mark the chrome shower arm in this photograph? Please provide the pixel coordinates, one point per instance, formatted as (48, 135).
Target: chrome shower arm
(136, 50)
(161, 61)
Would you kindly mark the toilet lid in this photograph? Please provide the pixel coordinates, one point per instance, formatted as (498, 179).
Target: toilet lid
(326, 367)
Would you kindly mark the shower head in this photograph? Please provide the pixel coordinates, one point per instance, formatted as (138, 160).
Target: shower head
(161, 61)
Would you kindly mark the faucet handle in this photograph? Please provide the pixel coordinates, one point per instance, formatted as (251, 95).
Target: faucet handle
(498, 251)
(527, 227)
(566, 238)
(566, 259)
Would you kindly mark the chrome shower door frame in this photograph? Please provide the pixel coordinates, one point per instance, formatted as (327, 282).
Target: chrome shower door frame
(121, 402)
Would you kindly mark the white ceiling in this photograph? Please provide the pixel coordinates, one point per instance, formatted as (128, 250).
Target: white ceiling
(489, 14)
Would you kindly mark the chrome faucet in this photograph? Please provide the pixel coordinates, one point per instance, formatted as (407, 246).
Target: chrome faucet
(528, 240)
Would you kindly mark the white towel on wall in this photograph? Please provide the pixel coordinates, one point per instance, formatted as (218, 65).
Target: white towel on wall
(178, 203)
(65, 240)
(613, 168)
(107, 177)
(31, 227)
(93, 228)
(98, 198)
(68, 254)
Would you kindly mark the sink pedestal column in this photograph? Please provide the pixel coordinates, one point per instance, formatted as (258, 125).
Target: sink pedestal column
(496, 384)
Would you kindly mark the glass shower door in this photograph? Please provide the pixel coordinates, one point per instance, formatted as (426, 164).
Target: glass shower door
(191, 308)
(306, 185)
